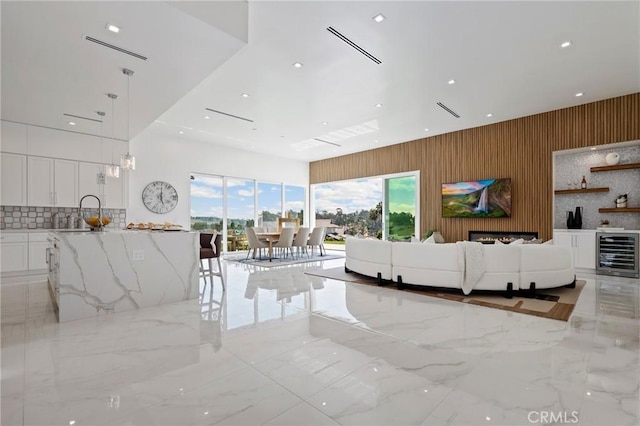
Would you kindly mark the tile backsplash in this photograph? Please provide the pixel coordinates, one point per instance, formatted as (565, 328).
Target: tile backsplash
(15, 217)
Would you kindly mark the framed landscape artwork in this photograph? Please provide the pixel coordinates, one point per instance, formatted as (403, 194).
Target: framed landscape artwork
(478, 198)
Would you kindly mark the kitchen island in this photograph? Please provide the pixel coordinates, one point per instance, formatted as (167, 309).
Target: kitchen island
(94, 274)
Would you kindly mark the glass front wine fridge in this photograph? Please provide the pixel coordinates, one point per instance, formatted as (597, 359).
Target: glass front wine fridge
(617, 254)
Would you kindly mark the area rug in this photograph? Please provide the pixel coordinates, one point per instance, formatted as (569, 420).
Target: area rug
(557, 303)
(284, 261)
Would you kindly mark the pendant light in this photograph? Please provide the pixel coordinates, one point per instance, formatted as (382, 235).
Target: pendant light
(128, 161)
(113, 170)
(100, 176)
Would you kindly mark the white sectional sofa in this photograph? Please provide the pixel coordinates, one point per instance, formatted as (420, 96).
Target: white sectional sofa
(467, 266)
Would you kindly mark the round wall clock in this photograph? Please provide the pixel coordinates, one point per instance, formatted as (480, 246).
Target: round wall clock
(160, 197)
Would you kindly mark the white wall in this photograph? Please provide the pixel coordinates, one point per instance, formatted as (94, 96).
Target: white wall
(173, 161)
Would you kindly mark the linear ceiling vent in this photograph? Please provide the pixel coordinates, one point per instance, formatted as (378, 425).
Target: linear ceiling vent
(229, 115)
(352, 44)
(330, 143)
(82, 118)
(449, 110)
(119, 49)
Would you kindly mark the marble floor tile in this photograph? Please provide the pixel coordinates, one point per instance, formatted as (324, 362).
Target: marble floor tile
(302, 414)
(380, 394)
(285, 348)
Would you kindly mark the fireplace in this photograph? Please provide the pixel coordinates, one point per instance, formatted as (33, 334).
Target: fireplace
(490, 237)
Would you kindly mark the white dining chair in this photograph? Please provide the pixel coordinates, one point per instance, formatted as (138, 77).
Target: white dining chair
(285, 240)
(255, 243)
(317, 239)
(300, 241)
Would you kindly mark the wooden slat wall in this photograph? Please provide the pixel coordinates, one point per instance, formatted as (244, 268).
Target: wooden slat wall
(519, 149)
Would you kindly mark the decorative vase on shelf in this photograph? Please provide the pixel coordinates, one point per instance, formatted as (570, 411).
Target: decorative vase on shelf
(612, 158)
(570, 220)
(578, 218)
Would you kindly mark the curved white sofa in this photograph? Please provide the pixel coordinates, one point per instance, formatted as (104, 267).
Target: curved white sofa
(493, 267)
(370, 257)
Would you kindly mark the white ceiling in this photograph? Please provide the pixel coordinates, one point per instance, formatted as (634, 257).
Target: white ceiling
(505, 57)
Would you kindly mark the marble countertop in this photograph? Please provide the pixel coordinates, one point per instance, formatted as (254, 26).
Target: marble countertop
(87, 231)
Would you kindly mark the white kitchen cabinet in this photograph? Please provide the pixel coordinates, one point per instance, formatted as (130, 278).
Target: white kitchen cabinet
(52, 182)
(582, 245)
(66, 183)
(14, 180)
(38, 245)
(89, 183)
(115, 195)
(14, 254)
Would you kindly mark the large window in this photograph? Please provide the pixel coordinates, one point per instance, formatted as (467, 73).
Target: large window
(229, 205)
(207, 206)
(349, 208)
(269, 204)
(294, 202)
(240, 211)
(383, 207)
(400, 208)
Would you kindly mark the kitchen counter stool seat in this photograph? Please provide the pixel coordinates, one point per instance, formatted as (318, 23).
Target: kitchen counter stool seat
(209, 252)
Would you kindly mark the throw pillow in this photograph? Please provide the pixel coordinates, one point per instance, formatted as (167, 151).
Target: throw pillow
(550, 242)
(437, 237)
(430, 240)
(516, 242)
(533, 241)
(415, 240)
(498, 243)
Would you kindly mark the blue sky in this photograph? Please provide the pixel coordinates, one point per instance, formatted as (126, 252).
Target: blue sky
(207, 197)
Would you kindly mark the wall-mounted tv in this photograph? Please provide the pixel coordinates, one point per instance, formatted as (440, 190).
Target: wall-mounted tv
(479, 198)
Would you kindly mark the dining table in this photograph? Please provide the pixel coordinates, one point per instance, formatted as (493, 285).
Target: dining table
(269, 237)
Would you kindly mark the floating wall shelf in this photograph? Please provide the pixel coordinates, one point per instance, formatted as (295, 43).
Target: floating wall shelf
(619, 210)
(616, 167)
(579, 191)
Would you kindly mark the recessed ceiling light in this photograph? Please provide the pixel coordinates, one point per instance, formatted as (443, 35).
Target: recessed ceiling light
(489, 115)
(324, 123)
(181, 132)
(245, 95)
(579, 94)
(565, 44)
(426, 130)
(378, 105)
(452, 81)
(113, 28)
(206, 117)
(297, 65)
(379, 17)
(71, 123)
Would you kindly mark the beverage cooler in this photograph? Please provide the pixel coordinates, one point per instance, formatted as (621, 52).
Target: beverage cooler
(617, 254)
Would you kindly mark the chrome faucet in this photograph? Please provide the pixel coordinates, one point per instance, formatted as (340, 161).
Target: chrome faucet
(100, 225)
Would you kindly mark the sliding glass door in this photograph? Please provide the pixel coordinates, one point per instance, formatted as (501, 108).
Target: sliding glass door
(384, 207)
(400, 208)
(229, 205)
